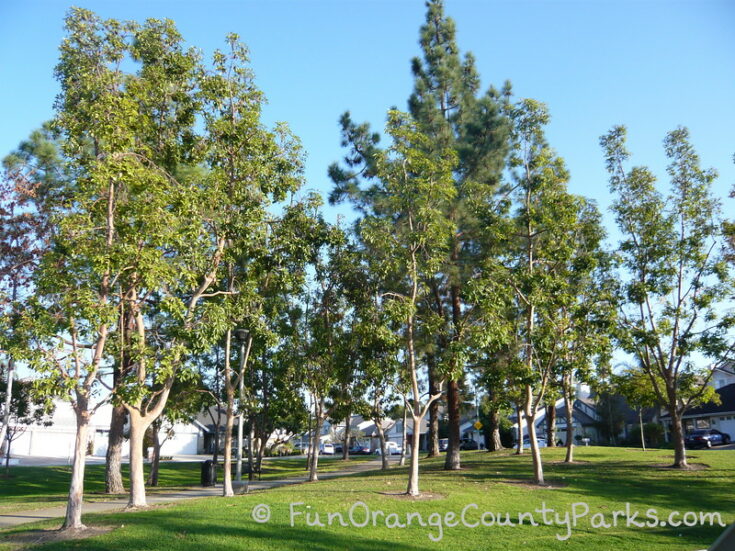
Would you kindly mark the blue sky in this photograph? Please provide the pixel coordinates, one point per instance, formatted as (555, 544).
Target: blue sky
(651, 65)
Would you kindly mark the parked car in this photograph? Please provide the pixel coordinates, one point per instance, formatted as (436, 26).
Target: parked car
(468, 444)
(706, 438)
(359, 449)
(391, 448)
(443, 444)
(326, 449)
(527, 443)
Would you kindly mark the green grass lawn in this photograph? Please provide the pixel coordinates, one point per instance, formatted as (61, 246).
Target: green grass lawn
(604, 480)
(38, 487)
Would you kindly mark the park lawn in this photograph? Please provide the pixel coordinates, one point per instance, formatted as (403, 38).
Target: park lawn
(30, 488)
(605, 480)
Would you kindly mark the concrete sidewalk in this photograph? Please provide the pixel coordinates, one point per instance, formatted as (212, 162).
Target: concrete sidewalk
(8, 520)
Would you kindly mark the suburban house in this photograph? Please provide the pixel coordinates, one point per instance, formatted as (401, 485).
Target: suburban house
(714, 416)
(584, 418)
(57, 439)
(711, 415)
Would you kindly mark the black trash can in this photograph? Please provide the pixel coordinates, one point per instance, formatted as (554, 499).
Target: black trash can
(209, 473)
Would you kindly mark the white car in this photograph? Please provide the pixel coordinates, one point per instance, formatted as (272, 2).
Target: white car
(391, 448)
(541, 443)
(326, 449)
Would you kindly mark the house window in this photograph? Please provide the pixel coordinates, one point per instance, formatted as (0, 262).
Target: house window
(714, 421)
(722, 418)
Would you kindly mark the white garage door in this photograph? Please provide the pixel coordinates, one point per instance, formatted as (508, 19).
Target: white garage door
(726, 424)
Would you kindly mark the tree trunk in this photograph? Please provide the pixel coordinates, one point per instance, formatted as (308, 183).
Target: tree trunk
(530, 410)
(138, 427)
(404, 435)
(346, 444)
(8, 399)
(217, 425)
(551, 425)
(433, 434)
(227, 452)
(640, 423)
(313, 476)
(113, 457)
(452, 461)
(569, 406)
(229, 418)
(381, 439)
(251, 444)
(413, 473)
(156, 459)
(677, 435)
(494, 443)
(519, 417)
(73, 519)
(309, 451)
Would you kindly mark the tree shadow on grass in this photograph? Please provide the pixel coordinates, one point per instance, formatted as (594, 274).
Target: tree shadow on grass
(157, 531)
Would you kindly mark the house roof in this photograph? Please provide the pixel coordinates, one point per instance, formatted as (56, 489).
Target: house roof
(727, 405)
(580, 416)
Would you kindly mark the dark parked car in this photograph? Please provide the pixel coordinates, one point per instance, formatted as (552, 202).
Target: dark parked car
(468, 444)
(706, 438)
(359, 449)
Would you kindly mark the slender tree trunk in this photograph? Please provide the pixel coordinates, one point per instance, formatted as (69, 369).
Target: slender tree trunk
(309, 449)
(8, 389)
(313, 466)
(346, 444)
(551, 425)
(530, 410)
(519, 417)
(217, 425)
(116, 437)
(138, 427)
(677, 436)
(73, 519)
(156, 459)
(433, 434)
(413, 473)
(227, 452)
(381, 439)
(113, 457)
(569, 415)
(640, 423)
(8, 399)
(251, 445)
(494, 443)
(227, 490)
(404, 435)
(452, 461)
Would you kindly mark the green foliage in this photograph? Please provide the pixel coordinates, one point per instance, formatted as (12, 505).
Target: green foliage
(672, 318)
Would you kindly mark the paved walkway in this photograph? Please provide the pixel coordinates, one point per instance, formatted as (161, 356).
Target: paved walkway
(8, 520)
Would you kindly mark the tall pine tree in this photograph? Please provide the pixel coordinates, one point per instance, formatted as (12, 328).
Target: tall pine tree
(449, 109)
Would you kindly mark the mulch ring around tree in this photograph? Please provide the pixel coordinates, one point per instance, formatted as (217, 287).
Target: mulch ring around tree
(39, 537)
(423, 496)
